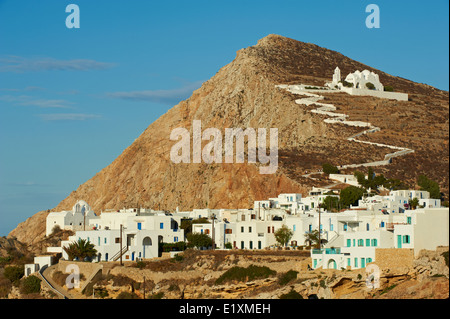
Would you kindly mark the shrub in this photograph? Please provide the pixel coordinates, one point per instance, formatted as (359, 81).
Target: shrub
(127, 295)
(178, 246)
(370, 86)
(140, 264)
(288, 277)
(14, 273)
(178, 258)
(329, 169)
(30, 285)
(250, 273)
(389, 88)
(158, 295)
(322, 283)
(291, 295)
(445, 255)
(5, 287)
(199, 240)
(347, 84)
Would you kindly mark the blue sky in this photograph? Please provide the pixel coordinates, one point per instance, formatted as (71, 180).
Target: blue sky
(71, 100)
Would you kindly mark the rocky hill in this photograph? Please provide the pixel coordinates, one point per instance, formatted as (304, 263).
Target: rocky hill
(243, 94)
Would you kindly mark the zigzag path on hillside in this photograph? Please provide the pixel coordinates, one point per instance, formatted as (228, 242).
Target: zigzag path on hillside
(329, 110)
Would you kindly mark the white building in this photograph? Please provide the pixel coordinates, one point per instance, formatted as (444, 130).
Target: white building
(355, 246)
(76, 219)
(359, 80)
(40, 262)
(358, 85)
(139, 231)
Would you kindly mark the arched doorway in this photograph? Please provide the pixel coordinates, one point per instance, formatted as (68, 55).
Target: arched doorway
(332, 264)
(146, 243)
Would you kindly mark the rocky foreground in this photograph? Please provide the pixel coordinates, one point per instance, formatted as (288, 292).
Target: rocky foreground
(249, 275)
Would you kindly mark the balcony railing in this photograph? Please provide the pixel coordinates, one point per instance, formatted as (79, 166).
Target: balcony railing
(327, 251)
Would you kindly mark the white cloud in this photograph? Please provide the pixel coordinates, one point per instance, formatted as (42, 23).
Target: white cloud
(68, 117)
(21, 64)
(32, 101)
(171, 97)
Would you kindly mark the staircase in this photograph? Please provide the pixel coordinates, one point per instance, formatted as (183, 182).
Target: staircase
(120, 253)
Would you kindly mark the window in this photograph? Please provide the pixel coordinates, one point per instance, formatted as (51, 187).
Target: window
(242, 229)
(356, 261)
(367, 226)
(310, 228)
(249, 229)
(367, 242)
(228, 231)
(345, 227)
(354, 242)
(360, 243)
(242, 245)
(207, 231)
(117, 240)
(382, 224)
(251, 244)
(98, 241)
(349, 262)
(106, 241)
(374, 243)
(139, 226)
(161, 225)
(268, 229)
(409, 220)
(175, 239)
(406, 239)
(368, 260)
(293, 227)
(331, 227)
(349, 242)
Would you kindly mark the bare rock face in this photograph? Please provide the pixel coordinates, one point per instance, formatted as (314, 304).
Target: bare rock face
(243, 95)
(31, 230)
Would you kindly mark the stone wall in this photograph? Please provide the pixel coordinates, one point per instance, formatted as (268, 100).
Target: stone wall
(86, 268)
(394, 258)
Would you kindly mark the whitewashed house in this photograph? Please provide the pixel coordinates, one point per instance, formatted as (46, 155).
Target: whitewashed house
(40, 262)
(76, 219)
(139, 232)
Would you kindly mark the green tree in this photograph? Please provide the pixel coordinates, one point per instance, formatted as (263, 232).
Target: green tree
(430, 186)
(81, 249)
(329, 169)
(330, 203)
(198, 240)
(350, 196)
(186, 224)
(413, 203)
(283, 235)
(312, 238)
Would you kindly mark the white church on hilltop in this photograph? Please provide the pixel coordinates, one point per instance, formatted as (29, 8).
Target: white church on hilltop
(75, 219)
(363, 83)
